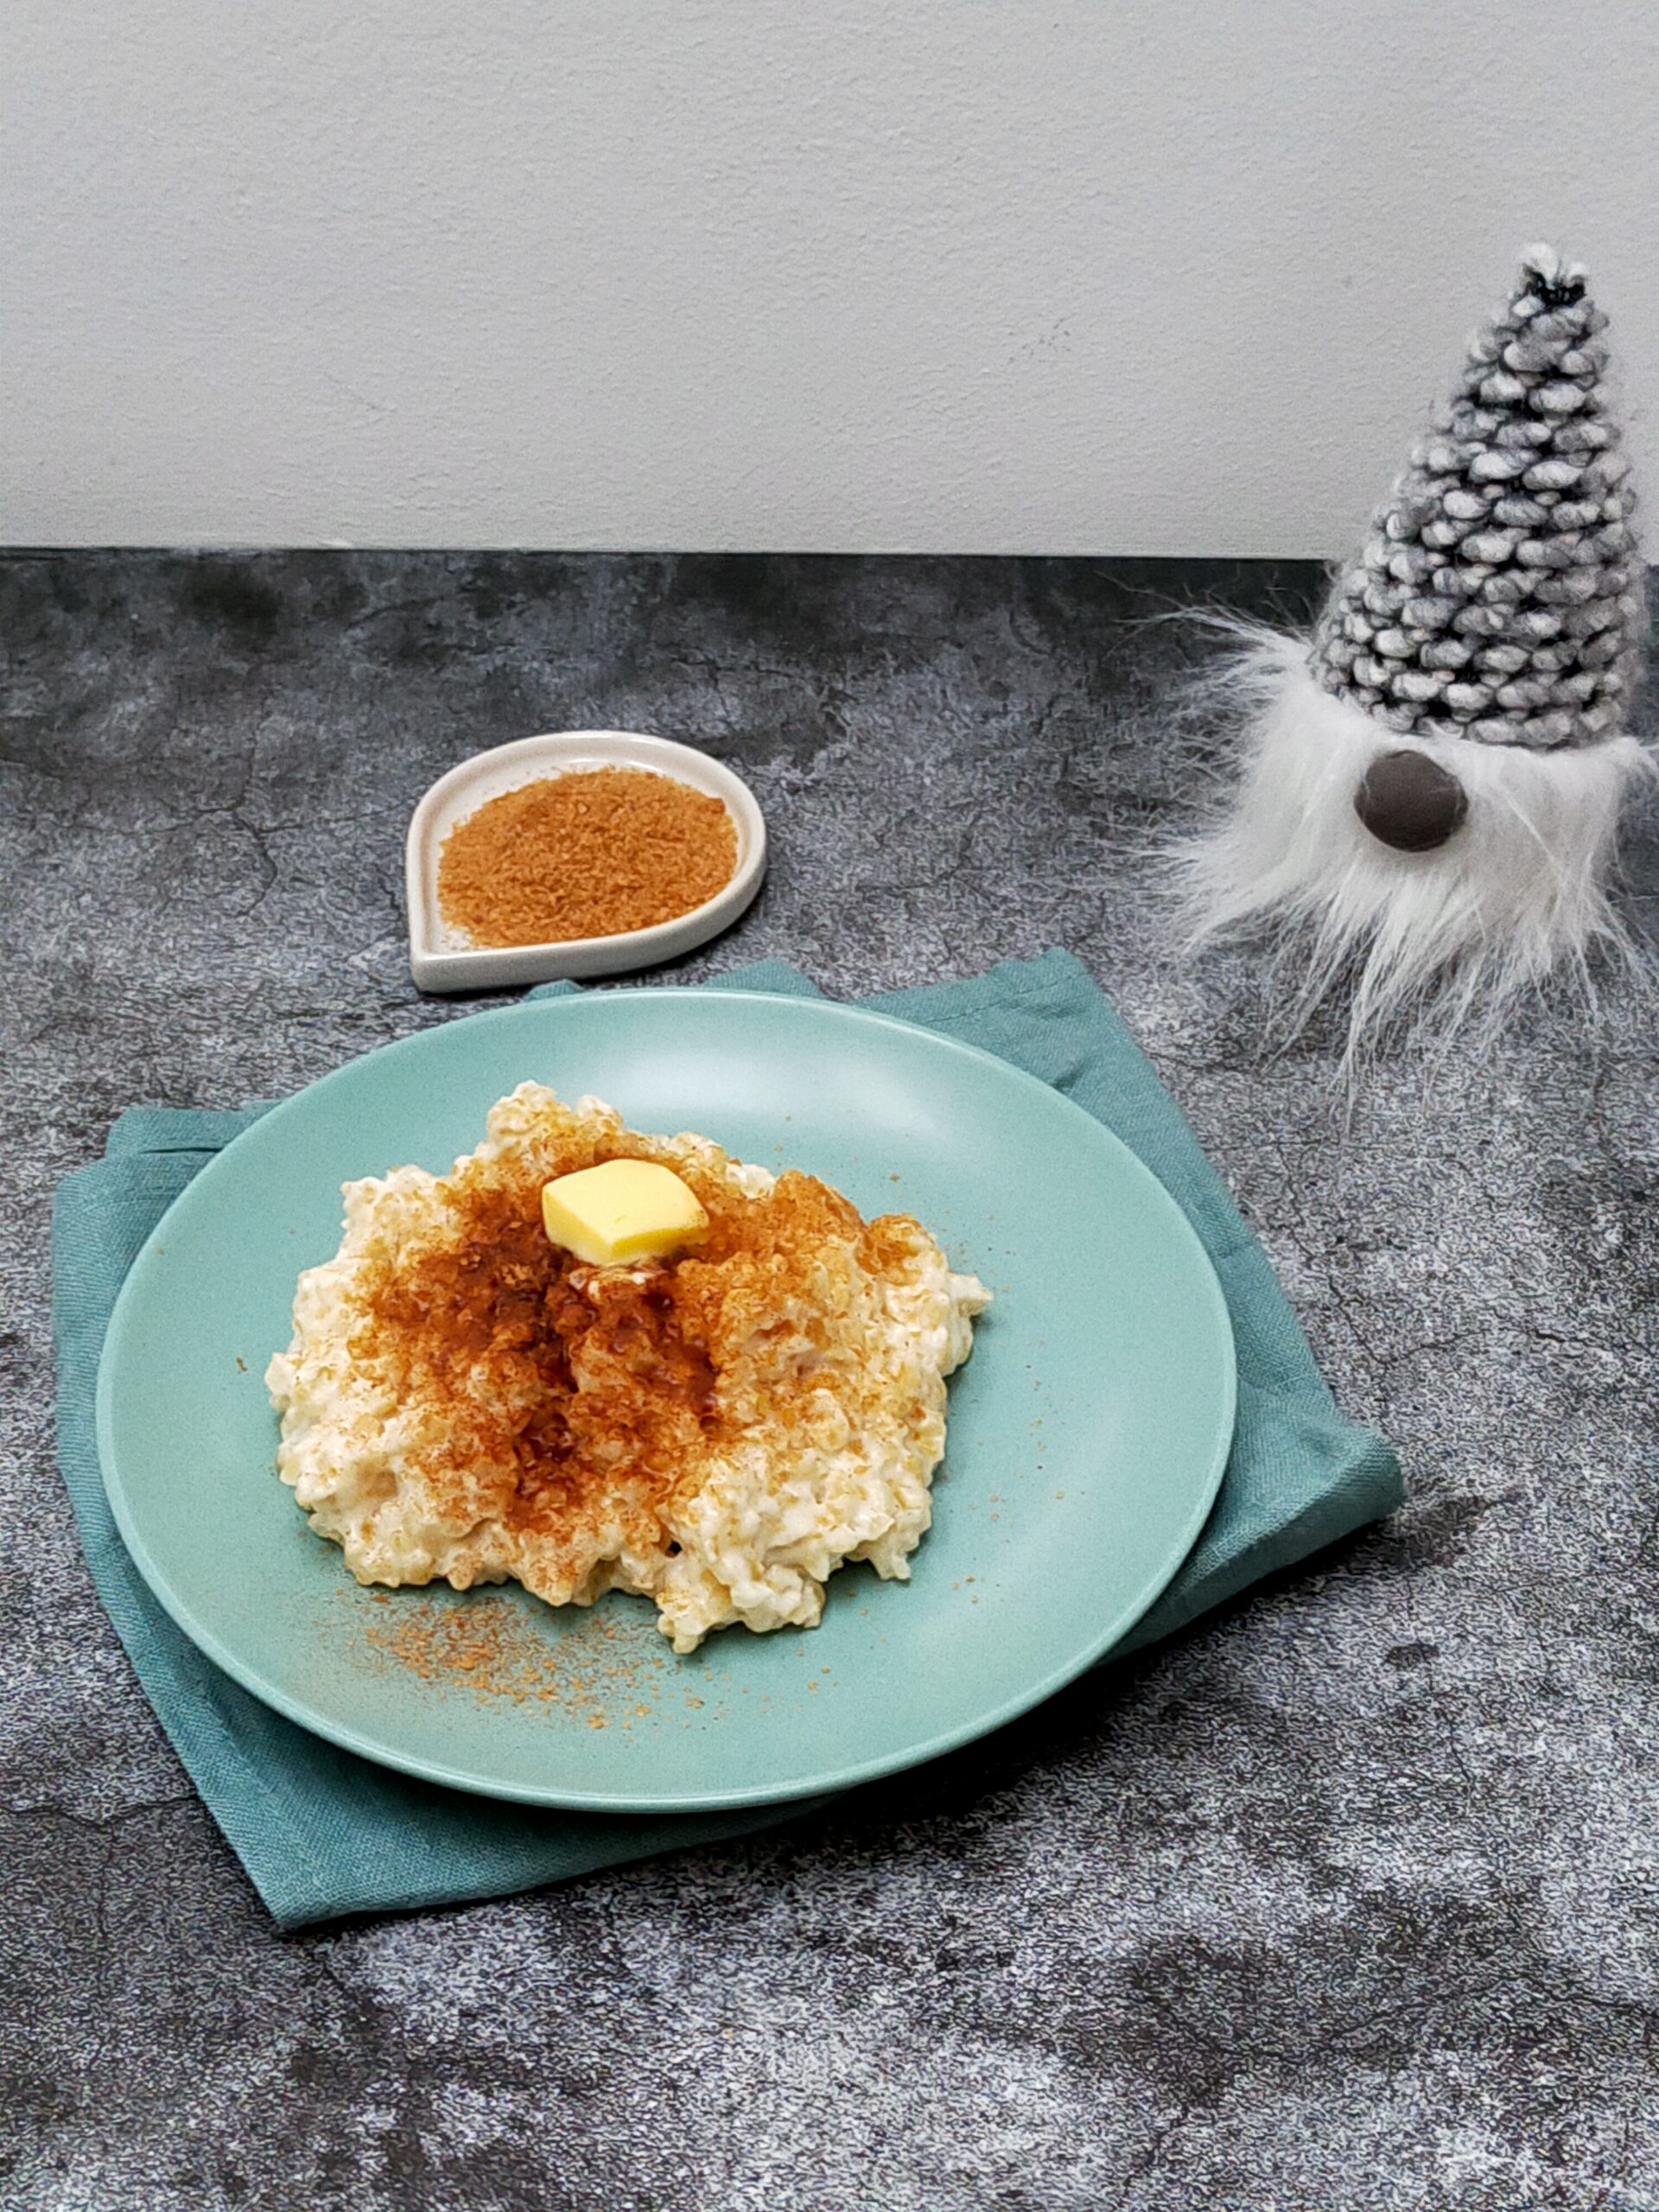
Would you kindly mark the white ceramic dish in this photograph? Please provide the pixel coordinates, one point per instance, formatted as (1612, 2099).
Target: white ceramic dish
(442, 960)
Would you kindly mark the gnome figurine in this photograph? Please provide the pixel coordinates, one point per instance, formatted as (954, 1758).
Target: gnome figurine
(1432, 785)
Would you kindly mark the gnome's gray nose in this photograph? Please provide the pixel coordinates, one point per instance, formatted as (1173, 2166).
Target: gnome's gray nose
(1410, 801)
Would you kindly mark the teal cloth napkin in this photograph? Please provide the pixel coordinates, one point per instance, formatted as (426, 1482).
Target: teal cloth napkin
(322, 1832)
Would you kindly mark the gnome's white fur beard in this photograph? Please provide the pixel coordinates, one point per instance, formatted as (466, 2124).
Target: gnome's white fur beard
(1450, 935)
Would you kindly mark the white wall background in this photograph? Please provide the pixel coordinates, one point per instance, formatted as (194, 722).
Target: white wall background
(1158, 277)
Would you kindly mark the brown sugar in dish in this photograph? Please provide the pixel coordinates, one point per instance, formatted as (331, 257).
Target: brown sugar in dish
(592, 853)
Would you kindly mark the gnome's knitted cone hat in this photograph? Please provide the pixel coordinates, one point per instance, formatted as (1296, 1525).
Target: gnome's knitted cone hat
(1432, 785)
(1499, 598)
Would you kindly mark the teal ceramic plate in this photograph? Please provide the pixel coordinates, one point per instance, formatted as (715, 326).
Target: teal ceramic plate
(1087, 1433)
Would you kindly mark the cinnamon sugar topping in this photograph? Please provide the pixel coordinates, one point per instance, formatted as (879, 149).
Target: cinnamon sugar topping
(464, 1400)
(559, 1389)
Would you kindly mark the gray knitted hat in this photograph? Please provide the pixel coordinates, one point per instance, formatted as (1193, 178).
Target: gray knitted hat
(1499, 598)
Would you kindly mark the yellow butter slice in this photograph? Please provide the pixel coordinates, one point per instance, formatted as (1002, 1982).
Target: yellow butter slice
(622, 1210)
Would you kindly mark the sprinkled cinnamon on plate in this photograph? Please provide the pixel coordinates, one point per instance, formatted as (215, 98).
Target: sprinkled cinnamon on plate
(592, 853)
(489, 1648)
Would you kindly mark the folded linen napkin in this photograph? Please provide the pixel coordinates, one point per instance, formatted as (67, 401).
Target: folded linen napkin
(322, 1831)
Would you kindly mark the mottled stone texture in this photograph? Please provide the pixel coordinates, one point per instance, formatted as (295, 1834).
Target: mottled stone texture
(1346, 1903)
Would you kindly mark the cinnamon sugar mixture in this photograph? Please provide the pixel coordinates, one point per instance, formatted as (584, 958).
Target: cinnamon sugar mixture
(490, 1649)
(588, 854)
(465, 1401)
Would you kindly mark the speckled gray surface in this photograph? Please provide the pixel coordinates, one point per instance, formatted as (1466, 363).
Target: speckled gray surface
(1345, 1903)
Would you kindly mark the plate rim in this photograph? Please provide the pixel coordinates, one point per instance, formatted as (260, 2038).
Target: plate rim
(643, 1803)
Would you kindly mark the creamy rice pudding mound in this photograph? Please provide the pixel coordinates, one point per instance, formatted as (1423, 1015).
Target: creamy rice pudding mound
(465, 1401)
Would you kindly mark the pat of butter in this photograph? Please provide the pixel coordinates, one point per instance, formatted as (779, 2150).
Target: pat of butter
(622, 1210)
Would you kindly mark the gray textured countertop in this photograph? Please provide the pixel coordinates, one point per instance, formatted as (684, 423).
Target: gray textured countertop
(1345, 1902)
